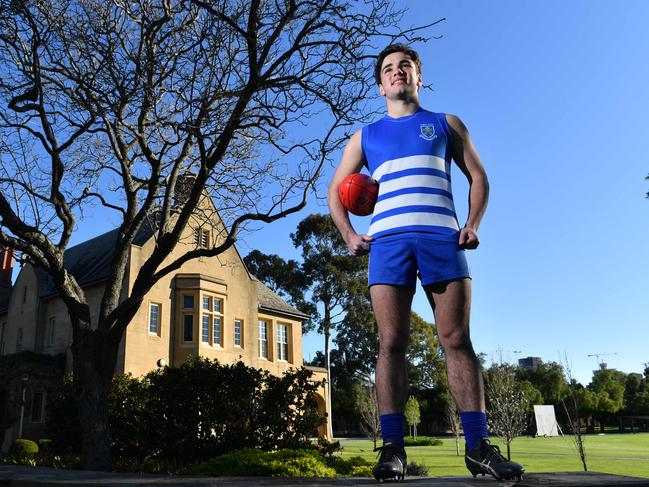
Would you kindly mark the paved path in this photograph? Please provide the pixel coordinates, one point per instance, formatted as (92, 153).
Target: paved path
(21, 476)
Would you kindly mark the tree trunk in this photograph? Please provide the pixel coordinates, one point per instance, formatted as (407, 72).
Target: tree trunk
(94, 356)
(509, 453)
(327, 332)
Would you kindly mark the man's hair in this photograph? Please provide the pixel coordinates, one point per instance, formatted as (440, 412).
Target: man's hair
(392, 48)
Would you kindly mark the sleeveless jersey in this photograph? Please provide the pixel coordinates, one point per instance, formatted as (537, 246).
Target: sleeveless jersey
(410, 157)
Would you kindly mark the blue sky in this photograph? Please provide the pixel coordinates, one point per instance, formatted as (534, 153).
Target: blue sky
(556, 96)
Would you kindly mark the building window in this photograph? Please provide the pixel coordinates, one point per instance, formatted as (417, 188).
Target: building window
(19, 340)
(205, 329)
(238, 328)
(154, 318)
(188, 328)
(263, 339)
(38, 401)
(218, 331)
(212, 315)
(188, 301)
(282, 341)
(202, 238)
(51, 332)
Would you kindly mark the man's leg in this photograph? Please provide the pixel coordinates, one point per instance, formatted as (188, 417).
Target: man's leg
(451, 302)
(391, 306)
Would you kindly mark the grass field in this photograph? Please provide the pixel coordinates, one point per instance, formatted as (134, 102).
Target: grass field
(620, 454)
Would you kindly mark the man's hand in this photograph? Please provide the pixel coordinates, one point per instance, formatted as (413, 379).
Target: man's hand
(358, 244)
(469, 238)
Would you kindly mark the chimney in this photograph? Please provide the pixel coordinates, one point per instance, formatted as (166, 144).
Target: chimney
(184, 185)
(6, 269)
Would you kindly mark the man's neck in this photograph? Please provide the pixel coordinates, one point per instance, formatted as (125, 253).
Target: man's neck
(402, 108)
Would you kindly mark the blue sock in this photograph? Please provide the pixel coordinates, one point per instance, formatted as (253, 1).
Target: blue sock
(392, 426)
(474, 424)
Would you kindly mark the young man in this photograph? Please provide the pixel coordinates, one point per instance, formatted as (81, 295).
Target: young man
(414, 232)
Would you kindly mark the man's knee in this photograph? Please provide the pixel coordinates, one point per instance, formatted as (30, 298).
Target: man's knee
(393, 346)
(456, 339)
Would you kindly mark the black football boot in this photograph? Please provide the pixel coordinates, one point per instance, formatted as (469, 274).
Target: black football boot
(487, 459)
(391, 464)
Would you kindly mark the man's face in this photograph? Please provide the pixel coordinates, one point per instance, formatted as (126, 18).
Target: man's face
(399, 76)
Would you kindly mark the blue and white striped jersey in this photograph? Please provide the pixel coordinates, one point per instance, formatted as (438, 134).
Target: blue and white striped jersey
(410, 157)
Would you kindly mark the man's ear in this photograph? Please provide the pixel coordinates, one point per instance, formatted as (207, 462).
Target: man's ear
(381, 90)
(419, 80)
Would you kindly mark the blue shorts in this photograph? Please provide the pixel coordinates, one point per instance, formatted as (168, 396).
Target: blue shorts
(398, 260)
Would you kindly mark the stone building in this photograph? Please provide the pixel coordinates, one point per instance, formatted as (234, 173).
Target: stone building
(211, 307)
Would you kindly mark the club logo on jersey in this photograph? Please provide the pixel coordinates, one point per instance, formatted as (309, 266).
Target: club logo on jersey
(427, 131)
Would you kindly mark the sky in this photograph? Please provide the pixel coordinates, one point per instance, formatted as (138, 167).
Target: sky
(556, 97)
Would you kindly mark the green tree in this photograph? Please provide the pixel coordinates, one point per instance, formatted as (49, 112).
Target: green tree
(548, 379)
(426, 365)
(412, 414)
(608, 385)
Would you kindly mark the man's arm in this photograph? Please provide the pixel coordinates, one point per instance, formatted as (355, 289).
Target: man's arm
(467, 159)
(351, 162)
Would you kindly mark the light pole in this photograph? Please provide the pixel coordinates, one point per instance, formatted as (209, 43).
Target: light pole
(24, 379)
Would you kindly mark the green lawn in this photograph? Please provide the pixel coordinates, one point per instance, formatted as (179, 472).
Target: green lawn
(556, 454)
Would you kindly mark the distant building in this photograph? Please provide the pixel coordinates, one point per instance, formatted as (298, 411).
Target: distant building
(530, 362)
(211, 307)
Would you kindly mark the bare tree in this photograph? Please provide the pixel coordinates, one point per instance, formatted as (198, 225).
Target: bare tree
(508, 407)
(145, 107)
(572, 410)
(368, 407)
(454, 422)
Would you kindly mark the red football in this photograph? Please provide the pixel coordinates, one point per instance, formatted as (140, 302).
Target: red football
(358, 193)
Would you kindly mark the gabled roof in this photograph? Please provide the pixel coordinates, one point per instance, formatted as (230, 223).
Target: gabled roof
(271, 302)
(90, 261)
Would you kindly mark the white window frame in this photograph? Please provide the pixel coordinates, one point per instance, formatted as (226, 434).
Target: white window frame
(238, 333)
(217, 331)
(158, 323)
(262, 339)
(282, 341)
(205, 328)
(212, 310)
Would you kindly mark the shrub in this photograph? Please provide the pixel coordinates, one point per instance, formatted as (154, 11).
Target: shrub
(422, 441)
(353, 467)
(254, 462)
(176, 416)
(328, 449)
(22, 447)
(416, 470)
(45, 446)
